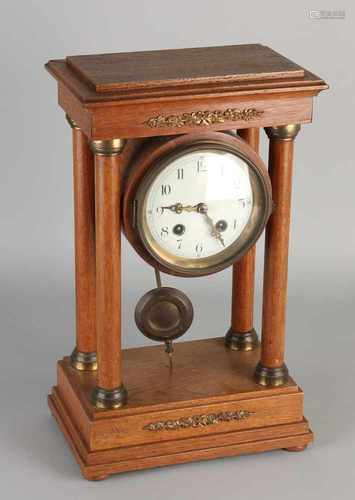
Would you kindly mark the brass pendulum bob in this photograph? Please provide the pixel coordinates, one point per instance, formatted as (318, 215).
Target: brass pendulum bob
(163, 314)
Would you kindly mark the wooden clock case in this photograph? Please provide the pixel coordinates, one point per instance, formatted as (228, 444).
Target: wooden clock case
(154, 152)
(123, 410)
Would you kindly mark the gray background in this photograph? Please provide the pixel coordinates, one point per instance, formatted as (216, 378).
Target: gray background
(36, 266)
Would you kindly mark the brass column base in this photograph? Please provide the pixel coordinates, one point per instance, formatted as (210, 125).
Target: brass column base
(241, 341)
(271, 377)
(83, 361)
(109, 398)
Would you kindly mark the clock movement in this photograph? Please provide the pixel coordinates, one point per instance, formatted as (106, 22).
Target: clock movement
(166, 151)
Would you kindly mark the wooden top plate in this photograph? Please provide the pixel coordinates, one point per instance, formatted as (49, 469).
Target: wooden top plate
(133, 70)
(209, 70)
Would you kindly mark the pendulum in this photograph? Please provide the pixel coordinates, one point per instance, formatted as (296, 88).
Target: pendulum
(164, 314)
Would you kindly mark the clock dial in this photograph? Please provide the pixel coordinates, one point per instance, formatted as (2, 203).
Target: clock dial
(200, 203)
(199, 208)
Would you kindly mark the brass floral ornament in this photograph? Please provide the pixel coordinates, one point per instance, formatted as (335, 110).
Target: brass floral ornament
(200, 118)
(198, 420)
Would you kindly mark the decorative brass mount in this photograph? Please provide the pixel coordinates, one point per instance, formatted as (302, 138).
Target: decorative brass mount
(71, 122)
(198, 420)
(200, 118)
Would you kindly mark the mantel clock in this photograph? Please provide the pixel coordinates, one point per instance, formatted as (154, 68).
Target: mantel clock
(165, 150)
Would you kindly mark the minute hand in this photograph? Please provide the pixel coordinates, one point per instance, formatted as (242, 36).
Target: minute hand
(202, 209)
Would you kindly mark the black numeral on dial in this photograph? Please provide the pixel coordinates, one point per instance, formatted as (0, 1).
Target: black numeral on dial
(201, 165)
(245, 201)
(198, 249)
(242, 201)
(164, 232)
(165, 189)
(180, 174)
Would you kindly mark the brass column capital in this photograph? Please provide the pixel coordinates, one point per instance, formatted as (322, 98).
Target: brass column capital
(107, 147)
(283, 132)
(71, 122)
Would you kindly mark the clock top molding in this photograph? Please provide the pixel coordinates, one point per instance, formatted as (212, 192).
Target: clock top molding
(165, 92)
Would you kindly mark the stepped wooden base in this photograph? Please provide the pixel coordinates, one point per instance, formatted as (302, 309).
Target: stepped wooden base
(208, 407)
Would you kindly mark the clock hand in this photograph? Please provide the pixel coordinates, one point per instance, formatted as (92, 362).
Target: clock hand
(178, 208)
(203, 209)
(215, 233)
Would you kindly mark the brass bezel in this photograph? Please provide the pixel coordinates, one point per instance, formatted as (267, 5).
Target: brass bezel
(262, 207)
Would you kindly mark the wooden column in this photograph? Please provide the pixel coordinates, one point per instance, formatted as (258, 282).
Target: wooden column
(271, 370)
(109, 392)
(242, 335)
(84, 355)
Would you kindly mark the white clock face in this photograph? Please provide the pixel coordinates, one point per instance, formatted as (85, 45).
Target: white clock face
(199, 204)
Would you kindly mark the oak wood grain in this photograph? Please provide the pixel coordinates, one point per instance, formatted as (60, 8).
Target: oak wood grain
(99, 465)
(109, 77)
(131, 430)
(310, 84)
(116, 95)
(224, 375)
(116, 440)
(276, 255)
(84, 228)
(108, 270)
(179, 67)
(243, 279)
(129, 119)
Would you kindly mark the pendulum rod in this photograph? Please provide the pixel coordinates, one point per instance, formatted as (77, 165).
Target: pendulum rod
(168, 343)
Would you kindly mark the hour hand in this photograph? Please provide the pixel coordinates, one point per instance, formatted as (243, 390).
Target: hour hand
(178, 208)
